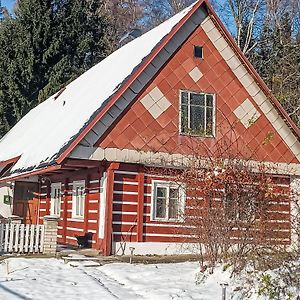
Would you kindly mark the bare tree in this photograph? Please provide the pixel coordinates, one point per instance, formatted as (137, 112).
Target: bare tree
(232, 201)
(247, 17)
(123, 16)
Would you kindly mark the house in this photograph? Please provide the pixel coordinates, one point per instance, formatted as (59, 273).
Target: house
(84, 154)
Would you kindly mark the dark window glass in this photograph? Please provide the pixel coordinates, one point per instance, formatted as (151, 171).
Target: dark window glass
(198, 51)
(161, 202)
(184, 118)
(173, 204)
(184, 98)
(197, 99)
(197, 119)
(210, 100)
(197, 114)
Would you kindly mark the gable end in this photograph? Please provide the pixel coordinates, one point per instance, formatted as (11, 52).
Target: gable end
(123, 102)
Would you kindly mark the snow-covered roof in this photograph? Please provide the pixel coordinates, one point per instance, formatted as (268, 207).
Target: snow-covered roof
(40, 135)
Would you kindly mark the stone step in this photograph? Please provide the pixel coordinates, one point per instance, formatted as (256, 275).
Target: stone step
(79, 258)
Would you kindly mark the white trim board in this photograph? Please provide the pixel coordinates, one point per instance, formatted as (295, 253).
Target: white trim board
(249, 83)
(162, 159)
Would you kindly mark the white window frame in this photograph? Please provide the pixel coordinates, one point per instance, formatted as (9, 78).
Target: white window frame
(180, 112)
(75, 214)
(55, 204)
(181, 204)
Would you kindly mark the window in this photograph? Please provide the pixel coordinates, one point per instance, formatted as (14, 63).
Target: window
(78, 199)
(240, 202)
(197, 114)
(167, 201)
(55, 199)
(198, 51)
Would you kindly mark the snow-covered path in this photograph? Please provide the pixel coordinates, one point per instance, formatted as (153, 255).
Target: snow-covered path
(52, 279)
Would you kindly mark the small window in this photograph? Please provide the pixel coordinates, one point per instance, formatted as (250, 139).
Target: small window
(198, 51)
(240, 202)
(55, 199)
(78, 199)
(197, 114)
(167, 201)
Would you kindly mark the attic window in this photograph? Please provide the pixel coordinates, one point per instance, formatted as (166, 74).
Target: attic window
(198, 52)
(197, 114)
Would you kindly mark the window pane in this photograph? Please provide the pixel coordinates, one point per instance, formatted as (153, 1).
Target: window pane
(209, 121)
(161, 208)
(81, 200)
(81, 206)
(184, 98)
(174, 193)
(173, 203)
(77, 206)
(161, 194)
(173, 208)
(210, 100)
(197, 119)
(197, 99)
(198, 51)
(184, 118)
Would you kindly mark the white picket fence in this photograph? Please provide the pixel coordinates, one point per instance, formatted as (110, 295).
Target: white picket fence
(20, 238)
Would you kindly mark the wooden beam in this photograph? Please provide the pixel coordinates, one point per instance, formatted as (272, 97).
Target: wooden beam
(108, 227)
(48, 199)
(31, 173)
(86, 204)
(140, 206)
(65, 210)
(80, 163)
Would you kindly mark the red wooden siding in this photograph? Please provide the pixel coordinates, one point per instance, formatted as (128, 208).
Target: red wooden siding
(131, 210)
(138, 130)
(69, 227)
(125, 212)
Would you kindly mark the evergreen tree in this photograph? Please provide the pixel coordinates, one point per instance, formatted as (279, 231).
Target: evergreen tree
(47, 44)
(277, 59)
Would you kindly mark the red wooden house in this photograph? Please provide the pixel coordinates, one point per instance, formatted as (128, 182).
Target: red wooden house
(82, 154)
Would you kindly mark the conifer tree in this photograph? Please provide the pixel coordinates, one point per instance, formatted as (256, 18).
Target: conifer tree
(44, 46)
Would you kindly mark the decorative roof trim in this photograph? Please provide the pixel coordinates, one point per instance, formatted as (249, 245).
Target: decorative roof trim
(251, 69)
(13, 160)
(31, 173)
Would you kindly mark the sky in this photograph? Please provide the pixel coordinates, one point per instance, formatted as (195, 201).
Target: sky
(8, 3)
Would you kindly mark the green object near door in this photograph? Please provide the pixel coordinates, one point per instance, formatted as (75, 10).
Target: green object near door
(7, 199)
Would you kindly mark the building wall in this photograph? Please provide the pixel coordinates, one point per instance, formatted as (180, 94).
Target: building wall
(68, 227)
(131, 224)
(173, 237)
(156, 128)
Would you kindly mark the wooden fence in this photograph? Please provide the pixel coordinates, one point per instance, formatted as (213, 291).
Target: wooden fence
(20, 238)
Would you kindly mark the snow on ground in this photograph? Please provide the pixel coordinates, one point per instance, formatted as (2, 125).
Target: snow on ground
(52, 279)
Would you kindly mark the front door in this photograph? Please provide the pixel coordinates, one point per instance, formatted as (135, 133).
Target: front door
(25, 203)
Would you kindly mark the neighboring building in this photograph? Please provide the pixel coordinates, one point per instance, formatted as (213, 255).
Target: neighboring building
(84, 154)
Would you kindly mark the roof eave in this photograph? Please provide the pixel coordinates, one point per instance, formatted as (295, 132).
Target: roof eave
(30, 173)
